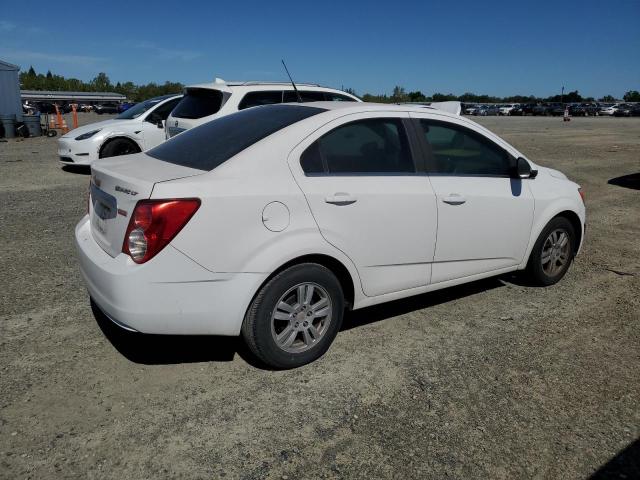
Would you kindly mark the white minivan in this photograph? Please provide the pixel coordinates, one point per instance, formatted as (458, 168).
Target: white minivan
(204, 102)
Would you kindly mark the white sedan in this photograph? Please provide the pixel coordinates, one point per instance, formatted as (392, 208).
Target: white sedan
(138, 128)
(270, 222)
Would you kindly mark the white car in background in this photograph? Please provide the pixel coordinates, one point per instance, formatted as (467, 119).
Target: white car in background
(506, 109)
(207, 101)
(139, 128)
(609, 110)
(269, 222)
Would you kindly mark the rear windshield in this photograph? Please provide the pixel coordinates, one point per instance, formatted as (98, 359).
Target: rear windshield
(209, 145)
(198, 103)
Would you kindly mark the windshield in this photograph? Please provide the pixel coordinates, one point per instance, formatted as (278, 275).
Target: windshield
(213, 143)
(140, 108)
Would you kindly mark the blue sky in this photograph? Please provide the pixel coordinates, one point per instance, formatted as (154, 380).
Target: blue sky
(498, 48)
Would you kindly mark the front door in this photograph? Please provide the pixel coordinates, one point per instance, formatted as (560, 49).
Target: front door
(153, 124)
(361, 183)
(484, 215)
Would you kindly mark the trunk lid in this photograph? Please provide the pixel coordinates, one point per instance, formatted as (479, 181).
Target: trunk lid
(117, 184)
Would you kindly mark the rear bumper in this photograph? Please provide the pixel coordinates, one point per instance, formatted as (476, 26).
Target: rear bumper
(171, 294)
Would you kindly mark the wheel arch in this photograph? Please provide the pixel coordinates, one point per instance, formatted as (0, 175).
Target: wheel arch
(565, 211)
(108, 140)
(576, 223)
(334, 265)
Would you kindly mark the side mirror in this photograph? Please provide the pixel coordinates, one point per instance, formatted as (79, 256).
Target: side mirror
(160, 123)
(523, 169)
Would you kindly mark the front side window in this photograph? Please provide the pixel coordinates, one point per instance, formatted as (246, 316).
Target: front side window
(199, 103)
(455, 150)
(371, 146)
(139, 108)
(163, 111)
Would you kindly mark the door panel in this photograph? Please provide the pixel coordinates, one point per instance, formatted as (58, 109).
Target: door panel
(484, 216)
(384, 221)
(490, 230)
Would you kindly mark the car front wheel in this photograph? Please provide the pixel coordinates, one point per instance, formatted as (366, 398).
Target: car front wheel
(295, 316)
(117, 147)
(552, 253)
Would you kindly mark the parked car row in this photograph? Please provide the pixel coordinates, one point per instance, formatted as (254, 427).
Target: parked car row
(554, 109)
(32, 108)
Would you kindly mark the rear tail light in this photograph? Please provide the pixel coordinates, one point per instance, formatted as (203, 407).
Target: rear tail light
(582, 194)
(154, 223)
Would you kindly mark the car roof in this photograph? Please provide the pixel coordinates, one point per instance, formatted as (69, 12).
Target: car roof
(357, 107)
(253, 86)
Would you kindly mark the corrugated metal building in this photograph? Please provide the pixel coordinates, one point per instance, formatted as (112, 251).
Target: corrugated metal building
(62, 96)
(10, 103)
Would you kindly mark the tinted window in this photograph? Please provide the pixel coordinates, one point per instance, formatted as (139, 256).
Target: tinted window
(365, 146)
(209, 145)
(198, 103)
(336, 97)
(307, 96)
(458, 151)
(138, 109)
(163, 111)
(253, 99)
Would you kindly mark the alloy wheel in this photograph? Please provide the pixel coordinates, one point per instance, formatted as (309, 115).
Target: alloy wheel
(301, 317)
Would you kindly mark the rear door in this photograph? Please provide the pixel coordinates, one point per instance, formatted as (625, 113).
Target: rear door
(359, 178)
(484, 215)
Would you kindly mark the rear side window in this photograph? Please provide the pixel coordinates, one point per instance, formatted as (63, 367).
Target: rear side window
(209, 145)
(372, 146)
(455, 150)
(253, 99)
(336, 97)
(307, 96)
(198, 103)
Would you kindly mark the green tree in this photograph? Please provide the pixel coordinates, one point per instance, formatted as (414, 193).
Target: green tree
(440, 97)
(101, 83)
(607, 98)
(417, 96)
(632, 96)
(399, 95)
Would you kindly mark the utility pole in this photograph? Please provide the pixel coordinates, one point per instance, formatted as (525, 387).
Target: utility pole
(562, 95)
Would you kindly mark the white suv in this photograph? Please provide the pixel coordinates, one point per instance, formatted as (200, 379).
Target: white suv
(206, 101)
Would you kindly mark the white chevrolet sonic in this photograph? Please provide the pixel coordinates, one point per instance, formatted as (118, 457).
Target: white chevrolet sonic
(270, 222)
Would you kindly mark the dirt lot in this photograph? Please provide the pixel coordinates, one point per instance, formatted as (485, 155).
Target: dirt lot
(489, 380)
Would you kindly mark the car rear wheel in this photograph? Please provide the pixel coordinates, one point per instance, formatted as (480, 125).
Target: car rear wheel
(294, 317)
(552, 253)
(119, 146)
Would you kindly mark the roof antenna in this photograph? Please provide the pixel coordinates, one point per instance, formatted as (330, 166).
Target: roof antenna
(292, 82)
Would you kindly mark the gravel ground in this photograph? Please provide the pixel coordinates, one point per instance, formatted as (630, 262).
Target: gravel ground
(488, 380)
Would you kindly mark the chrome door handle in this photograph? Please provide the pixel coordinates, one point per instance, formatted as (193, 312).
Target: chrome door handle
(454, 199)
(341, 198)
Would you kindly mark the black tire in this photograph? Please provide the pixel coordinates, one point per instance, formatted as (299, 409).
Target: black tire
(257, 329)
(117, 147)
(535, 271)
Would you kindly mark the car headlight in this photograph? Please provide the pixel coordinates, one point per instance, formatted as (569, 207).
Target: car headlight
(90, 134)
